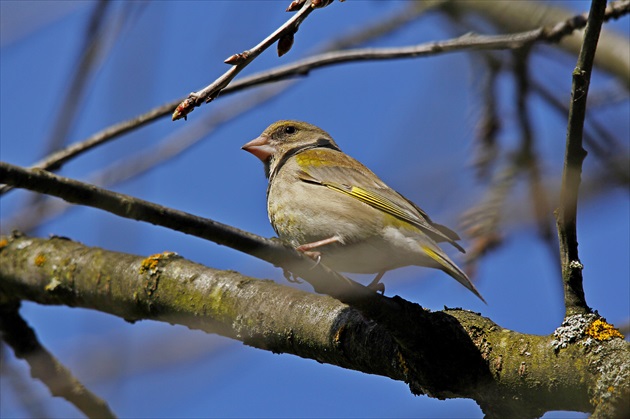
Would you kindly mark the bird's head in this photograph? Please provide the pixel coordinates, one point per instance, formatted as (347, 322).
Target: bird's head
(283, 139)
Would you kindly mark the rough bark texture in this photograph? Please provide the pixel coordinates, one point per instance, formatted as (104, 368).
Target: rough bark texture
(584, 366)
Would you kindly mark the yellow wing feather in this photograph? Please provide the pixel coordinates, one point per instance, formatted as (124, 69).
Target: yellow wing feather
(319, 166)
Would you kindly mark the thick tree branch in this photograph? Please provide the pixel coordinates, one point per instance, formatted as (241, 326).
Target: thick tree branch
(44, 366)
(574, 298)
(452, 353)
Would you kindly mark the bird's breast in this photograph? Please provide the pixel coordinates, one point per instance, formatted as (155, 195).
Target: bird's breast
(303, 212)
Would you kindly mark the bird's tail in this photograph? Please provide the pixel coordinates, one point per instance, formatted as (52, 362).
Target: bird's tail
(448, 266)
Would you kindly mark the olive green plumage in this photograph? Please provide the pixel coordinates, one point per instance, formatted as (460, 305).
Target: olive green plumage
(323, 201)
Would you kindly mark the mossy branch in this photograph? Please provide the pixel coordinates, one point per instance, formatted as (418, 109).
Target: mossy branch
(322, 278)
(447, 354)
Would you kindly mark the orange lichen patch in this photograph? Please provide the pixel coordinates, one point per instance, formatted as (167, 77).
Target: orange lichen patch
(3, 243)
(151, 263)
(40, 260)
(337, 338)
(601, 330)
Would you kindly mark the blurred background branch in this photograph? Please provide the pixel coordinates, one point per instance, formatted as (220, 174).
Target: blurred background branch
(44, 366)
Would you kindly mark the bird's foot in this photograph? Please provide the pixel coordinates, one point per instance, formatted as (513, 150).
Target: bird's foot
(316, 256)
(307, 248)
(291, 277)
(376, 285)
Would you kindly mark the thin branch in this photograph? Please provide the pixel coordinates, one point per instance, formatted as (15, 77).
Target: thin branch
(242, 60)
(302, 67)
(29, 218)
(56, 160)
(318, 275)
(574, 299)
(527, 157)
(613, 53)
(462, 43)
(21, 385)
(386, 25)
(482, 222)
(45, 367)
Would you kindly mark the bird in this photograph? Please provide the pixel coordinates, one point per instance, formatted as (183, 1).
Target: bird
(331, 207)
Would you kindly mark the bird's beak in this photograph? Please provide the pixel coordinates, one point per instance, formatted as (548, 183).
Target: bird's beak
(260, 148)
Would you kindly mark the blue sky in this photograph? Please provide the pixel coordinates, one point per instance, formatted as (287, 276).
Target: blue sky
(410, 121)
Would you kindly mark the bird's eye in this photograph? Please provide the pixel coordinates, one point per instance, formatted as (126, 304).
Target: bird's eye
(290, 129)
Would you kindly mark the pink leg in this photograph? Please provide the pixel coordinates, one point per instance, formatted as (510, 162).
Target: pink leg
(309, 246)
(315, 255)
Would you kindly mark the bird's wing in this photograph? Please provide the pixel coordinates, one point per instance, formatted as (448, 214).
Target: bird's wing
(326, 167)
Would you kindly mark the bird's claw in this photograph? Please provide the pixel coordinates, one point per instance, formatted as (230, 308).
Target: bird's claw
(291, 277)
(377, 287)
(316, 256)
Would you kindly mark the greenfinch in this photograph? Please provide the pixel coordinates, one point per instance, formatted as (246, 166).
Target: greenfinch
(330, 206)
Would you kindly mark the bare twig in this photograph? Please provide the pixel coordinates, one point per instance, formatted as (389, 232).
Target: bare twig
(575, 302)
(482, 222)
(386, 25)
(284, 34)
(44, 366)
